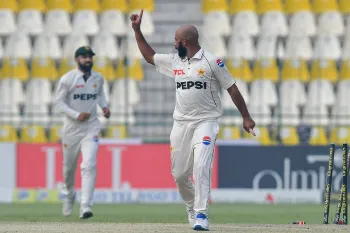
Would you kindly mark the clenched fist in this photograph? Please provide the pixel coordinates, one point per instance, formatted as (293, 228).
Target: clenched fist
(106, 112)
(248, 125)
(136, 20)
(83, 116)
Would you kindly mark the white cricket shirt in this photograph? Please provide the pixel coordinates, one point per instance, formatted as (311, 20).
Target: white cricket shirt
(198, 83)
(74, 95)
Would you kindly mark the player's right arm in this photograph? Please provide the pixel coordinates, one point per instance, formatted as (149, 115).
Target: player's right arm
(61, 96)
(163, 62)
(145, 49)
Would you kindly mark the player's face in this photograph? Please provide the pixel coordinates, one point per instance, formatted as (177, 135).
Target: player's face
(85, 62)
(181, 50)
(179, 46)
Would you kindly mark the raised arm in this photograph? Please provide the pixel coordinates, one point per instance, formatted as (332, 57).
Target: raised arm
(145, 49)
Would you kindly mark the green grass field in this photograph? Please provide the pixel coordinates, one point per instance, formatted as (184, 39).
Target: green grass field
(136, 213)
(165, 218)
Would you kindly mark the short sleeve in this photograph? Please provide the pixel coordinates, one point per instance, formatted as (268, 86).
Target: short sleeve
(222, 74)
(164, 64)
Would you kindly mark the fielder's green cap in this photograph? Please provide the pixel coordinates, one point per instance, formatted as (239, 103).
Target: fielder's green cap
(84, 50)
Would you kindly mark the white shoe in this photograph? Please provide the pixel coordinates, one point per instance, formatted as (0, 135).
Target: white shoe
(85, 213)
(202, 223)
(68, 204)
(191, 216)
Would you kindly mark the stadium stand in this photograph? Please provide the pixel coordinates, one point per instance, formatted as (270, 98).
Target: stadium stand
(290, 59)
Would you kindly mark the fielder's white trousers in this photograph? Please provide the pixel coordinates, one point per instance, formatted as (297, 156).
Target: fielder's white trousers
(80, 137)
(192, 153)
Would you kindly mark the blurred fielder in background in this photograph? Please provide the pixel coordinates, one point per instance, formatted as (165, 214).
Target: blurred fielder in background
(77, 95)
(199, 77)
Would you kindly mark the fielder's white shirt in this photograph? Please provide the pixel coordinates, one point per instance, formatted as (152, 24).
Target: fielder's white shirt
(198, 83)
(74, 95)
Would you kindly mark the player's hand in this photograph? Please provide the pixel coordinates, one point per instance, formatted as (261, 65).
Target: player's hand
(248, 125)
(83, 116)
(106, 112)
(136, 20)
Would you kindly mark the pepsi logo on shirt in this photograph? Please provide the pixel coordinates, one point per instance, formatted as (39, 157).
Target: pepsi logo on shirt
(206, 140)
(220, 63)
(190, 84)
(84, 96)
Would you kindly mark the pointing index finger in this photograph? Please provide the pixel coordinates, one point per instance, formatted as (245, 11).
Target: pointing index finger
(141, 13)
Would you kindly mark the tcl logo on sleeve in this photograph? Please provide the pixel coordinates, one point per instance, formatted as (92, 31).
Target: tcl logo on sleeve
(179, 72)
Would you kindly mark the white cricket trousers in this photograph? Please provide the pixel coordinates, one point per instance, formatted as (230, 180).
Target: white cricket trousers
(192, 154)
(80, 137)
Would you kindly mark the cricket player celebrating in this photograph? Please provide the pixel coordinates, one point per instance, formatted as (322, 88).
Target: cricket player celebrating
(77, 95)
(199, 77)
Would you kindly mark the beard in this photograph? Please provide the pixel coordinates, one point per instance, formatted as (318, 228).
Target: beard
(86, 66)
(181, 51)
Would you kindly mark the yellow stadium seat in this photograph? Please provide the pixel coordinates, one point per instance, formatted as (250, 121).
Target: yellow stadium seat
(32, 4)
(33, 134)
(320, 6)
(239, 69)
(295, 69)
(120, 5)
(289, 136)
(264, 6)
(116, 131)
(345, 70)
(9, 4)
(262, 135)
(340, 135)
(213, 5)
(60, 5)
(66, 65)
(241, 5)
(44, 68)
(266, 69)
(55, 133)
(105, 67)
(293, 6)
(229, 132)
(8, 133)
(344, 6)
(93, 5)
(324, 69)
(135, 70)
(318, 136)
(15, 68)
(147, 5)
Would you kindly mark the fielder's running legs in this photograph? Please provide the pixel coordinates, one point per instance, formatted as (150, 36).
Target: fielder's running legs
(192, 146)
(85, 141)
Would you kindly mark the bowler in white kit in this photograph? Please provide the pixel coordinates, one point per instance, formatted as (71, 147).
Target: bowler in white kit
(77, 96)
(199, 77)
